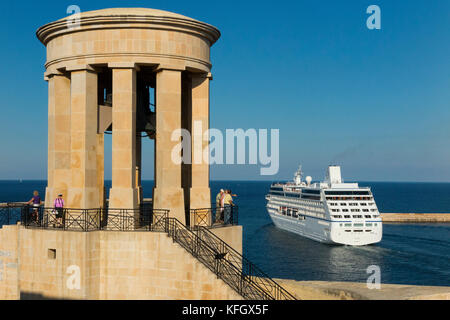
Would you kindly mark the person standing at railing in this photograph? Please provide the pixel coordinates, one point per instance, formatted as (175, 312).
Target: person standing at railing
(228, 205)
(58, 204)
(218, 205)
(36, 201)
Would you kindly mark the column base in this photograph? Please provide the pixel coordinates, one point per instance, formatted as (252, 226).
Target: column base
(172, 199)
(83, 198)
(49, 195)
(200, 197)
(123, 198)
(140, 195)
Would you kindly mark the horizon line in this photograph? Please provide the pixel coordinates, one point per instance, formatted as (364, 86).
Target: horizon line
(278, 180)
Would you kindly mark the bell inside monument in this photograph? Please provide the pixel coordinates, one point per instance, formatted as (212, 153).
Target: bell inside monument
(145, 102)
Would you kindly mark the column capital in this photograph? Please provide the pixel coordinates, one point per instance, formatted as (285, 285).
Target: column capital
(123, 65)
(203, 75)
(160, 68)
(51, 73)
(81, 67)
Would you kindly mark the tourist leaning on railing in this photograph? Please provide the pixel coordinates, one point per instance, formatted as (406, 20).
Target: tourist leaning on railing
(36, 201)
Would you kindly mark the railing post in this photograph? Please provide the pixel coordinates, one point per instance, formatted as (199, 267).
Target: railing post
(64, 219)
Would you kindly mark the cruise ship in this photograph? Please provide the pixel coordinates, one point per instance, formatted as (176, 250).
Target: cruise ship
(331, 211)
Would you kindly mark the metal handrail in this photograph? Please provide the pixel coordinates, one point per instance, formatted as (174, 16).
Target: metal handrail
(255, 274)
(214, 216)
(229, 265)
(108, 219)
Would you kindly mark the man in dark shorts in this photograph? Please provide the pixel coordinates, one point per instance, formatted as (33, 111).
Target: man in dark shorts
(59, 209)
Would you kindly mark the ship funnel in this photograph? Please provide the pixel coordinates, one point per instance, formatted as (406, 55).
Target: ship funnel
(334, 174)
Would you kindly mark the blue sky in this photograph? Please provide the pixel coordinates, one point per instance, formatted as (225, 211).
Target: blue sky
(375, 101)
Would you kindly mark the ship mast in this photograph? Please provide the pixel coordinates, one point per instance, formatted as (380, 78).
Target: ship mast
(298, 176)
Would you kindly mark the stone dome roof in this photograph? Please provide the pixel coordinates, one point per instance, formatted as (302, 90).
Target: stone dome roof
(128, 17)
(130, 12)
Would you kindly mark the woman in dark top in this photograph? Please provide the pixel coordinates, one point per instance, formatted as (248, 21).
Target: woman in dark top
(36, 201)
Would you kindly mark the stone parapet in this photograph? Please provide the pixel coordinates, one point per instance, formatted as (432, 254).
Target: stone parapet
(45, 264)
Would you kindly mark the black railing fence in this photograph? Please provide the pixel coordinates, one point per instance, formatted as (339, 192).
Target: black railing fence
(214, 217)
(229, 265)
(110, 219)
(10, 213)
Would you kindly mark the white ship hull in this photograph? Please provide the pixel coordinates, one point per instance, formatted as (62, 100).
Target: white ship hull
(324, 231)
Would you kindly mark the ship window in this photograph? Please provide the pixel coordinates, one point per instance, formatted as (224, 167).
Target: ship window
(345, 210)
(357, 231)
(337, 216)
(368, 230)
(276, 192)
(343, 204)
(348, 224)
(305, 196)
(347, 217)
(363, 204)
(310, 191)
(276, 188)
(340, 193)
(357, 216)
(348, 230)
(368, 224)
(292, 195)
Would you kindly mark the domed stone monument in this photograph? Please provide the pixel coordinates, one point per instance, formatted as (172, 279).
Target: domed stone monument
(130, 72)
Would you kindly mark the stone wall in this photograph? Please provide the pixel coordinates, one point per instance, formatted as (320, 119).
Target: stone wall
(40, 264)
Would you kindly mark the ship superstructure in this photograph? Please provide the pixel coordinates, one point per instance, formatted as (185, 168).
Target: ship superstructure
(330, 211)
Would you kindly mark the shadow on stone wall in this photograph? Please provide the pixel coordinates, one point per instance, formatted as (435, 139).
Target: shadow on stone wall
(34, 296)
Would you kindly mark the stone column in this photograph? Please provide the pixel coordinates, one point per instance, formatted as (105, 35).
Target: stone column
(101, 168)
(168, 193)
(59, 176)
(123, 193)
(84, 191)
(200, 193)
(139, 168)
